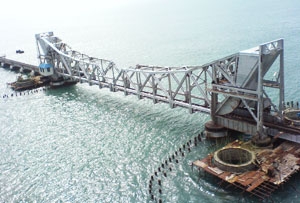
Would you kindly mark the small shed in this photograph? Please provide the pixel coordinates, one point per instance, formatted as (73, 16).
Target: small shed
(46, 69)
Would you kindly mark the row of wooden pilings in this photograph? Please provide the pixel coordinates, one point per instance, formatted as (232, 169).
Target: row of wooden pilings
(157, 178)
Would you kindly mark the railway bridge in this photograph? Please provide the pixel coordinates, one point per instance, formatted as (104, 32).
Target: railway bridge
(17, 65)
(234, 90)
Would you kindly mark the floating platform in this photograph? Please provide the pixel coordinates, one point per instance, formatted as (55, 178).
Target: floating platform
(29, 83)
(271, 167)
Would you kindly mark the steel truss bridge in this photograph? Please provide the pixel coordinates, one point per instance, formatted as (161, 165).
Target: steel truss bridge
(233, 89)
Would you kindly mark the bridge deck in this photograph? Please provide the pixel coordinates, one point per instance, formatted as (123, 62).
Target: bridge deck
(13, 64)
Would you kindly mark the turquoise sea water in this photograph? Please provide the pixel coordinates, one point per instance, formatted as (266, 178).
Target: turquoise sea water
(82, 144)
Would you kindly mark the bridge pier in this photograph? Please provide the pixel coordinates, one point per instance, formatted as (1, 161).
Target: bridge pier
(191, 111)
(15, 68)
(126, 85)
(100, 83)
(6, 66)
(171, 98)
(25, 70)
(112, 88)
(154, 87)
(154, 101)
(139, 92)
(188, 100)
(172, 105)
(125, 92)
(214, 130)
(89, 80)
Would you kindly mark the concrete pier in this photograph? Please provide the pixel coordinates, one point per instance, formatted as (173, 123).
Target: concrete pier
(17, 65)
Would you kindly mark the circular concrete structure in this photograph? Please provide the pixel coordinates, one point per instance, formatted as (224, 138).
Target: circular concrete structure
(292, 116)
(236, 160)
(214, 131)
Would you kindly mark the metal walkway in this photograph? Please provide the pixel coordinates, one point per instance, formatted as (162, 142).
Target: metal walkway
(232, 89)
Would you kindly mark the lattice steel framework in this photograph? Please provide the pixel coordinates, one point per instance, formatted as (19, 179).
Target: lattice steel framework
(217, 88)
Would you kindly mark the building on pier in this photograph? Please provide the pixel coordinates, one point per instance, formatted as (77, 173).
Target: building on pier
(46, 69)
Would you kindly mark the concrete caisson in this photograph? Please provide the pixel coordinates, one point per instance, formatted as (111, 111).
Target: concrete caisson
(235, 160)
(213, 130)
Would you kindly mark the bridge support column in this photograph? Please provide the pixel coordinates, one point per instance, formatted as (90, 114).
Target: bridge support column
(15, 68)
(214, 102)
(139, 92)
(6, 65)
(213, 130)
(154, 88)
(100, 85)
(188, 100)
(89, 80)
(260, 139)
(154, 94)
(172, 105)
(126, 85)
(112, 88)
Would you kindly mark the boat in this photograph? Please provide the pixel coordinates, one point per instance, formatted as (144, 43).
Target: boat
(19, 51)
(28, 83)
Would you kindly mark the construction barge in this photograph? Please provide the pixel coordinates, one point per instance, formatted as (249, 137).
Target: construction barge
(258, 166)
(258, 171)
(28, 83)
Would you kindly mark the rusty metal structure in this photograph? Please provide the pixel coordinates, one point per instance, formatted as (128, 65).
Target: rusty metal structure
(273, 167)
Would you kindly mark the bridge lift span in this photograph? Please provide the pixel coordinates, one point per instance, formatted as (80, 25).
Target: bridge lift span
(233, 89)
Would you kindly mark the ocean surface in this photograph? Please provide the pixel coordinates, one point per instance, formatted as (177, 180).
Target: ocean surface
(83, 144)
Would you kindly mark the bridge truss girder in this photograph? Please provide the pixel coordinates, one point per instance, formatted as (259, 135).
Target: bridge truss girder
(217, 88)
(178, 86)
